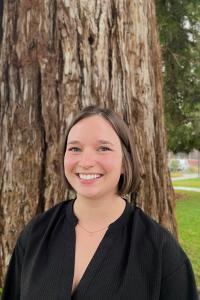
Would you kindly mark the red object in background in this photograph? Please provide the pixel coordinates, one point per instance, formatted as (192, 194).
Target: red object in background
(193, 162)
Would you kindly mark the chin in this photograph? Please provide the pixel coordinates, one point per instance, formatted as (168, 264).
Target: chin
(91, 196)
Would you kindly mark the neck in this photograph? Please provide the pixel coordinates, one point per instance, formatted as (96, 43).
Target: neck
(95, 213)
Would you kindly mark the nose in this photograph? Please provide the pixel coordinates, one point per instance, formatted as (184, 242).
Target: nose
(87, 159)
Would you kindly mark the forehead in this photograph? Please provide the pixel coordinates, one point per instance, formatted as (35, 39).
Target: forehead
(95, 128)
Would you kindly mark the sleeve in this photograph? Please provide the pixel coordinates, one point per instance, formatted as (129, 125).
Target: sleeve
(11, 289)
(12, 284)
(180, 284)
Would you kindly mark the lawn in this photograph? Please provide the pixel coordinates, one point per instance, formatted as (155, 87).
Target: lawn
(193, 182)
(188, 219)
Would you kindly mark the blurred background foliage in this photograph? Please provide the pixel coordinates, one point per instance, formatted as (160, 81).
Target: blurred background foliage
(179, 31)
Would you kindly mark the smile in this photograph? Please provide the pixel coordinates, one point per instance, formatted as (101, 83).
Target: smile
(89, 176)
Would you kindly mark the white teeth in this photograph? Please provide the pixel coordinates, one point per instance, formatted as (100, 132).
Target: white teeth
(89, 176)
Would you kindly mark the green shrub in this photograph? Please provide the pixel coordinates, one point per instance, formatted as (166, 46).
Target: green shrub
(174, 165)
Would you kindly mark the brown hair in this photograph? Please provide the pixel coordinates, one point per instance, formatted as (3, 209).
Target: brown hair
(130, 180)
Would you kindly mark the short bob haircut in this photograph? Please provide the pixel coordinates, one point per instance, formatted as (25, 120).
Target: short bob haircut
(130, 180)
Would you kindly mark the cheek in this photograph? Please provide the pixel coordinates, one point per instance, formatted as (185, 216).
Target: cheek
(111, 162)
(69, 163)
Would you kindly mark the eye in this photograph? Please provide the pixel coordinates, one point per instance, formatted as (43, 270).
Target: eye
(103, 148)
(74, 149)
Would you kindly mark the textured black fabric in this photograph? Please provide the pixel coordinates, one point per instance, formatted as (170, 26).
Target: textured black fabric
(137, 259)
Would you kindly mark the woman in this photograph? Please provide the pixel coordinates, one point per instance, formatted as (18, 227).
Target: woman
(98, 245)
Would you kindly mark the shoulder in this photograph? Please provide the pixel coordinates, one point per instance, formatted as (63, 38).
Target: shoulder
(40, 223)
(159, 241)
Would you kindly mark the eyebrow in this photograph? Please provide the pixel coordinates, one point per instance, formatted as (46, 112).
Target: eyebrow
(99, 142)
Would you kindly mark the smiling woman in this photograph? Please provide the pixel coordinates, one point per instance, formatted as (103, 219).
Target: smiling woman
(99, 245)
(105, 132)
(92, 164)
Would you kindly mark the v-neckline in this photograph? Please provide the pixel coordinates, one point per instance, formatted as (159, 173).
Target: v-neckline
(119, 222)
(98, 257)
(93, 265)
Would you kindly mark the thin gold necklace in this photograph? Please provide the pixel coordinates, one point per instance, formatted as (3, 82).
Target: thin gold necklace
(92, 232)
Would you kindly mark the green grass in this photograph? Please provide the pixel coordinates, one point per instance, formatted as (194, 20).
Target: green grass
(193, 182)
(188, 219)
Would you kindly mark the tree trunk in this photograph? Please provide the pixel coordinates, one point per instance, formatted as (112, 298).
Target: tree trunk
(58, 56)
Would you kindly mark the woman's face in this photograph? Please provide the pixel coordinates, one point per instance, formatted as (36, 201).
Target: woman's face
(93, 158)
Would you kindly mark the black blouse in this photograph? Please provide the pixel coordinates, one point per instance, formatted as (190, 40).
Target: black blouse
(137, 259)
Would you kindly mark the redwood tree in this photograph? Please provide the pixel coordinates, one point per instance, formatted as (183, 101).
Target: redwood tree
(57, 56)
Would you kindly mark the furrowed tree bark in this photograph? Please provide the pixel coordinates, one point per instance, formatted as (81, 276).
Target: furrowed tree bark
(56, 57)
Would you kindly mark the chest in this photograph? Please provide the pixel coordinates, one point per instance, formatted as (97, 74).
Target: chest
(85, 248)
